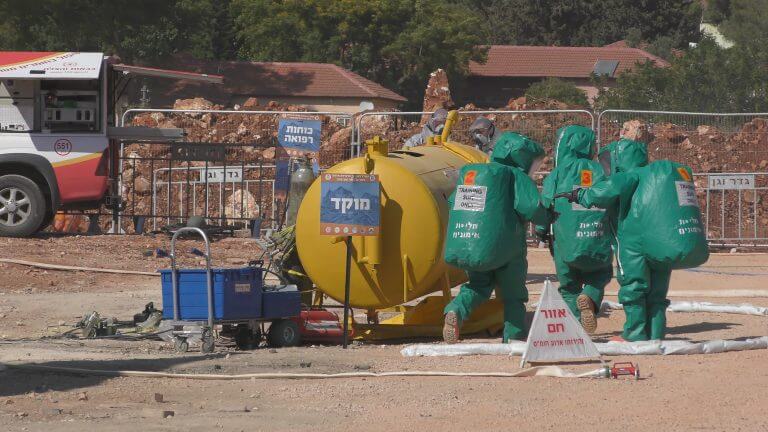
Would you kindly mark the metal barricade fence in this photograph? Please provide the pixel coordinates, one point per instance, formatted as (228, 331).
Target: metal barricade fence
(734, 207)
(540, 125)
(230, 169)
(727, 151)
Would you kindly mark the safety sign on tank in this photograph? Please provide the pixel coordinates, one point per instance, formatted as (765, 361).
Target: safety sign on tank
(350, 204)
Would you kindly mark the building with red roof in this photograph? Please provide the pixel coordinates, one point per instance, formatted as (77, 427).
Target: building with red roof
(320, 86)
(511, 69)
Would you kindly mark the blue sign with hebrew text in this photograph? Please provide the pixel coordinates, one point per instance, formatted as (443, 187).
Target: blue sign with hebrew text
(300, 134)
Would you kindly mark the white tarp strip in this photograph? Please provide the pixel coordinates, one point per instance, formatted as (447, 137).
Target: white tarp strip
(609, 348)
(692, 306)
(548, 371)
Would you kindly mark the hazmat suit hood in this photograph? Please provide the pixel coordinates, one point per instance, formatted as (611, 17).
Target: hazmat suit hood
(513, 149)
(574, 142)
(623, 155)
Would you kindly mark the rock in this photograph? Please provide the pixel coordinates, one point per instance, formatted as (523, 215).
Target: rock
(733, 250)
(437, 94)
(251, 102)
(158, 397)
(21, 414)
(82, 396)
(168, 414)
(53, 411)
(242, 129)
(8, 402)
(636, 130)
(143, 186)
(305, 364)
(763, 163)
(193, 104)
(362, 367)
(242, 204)
(268, 153)
(520, 103)
(337, 148)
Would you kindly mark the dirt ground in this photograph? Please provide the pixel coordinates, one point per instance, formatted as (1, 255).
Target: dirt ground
(698, 392)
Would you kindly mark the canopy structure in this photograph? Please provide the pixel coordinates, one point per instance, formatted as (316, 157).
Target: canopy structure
(50, 65)
(165, 73)
(80, 65)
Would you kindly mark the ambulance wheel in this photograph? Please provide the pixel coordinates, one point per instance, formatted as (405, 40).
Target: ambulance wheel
(207, 342)
(22, 206)
(637, 372)
(284, 333)
(180, 345)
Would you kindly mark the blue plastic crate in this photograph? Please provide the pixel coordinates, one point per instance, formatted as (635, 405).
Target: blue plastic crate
(237, 294)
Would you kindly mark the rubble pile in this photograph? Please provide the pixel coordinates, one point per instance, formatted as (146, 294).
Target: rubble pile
(735, 148)
(251, 147)
(437, 95)
(252, 141)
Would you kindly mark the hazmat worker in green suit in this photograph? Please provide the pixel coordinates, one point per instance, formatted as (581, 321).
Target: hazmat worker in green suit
(634, 196)
(517, 157)
(580, 237)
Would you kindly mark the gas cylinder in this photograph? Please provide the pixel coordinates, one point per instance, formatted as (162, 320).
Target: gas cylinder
(301, 180)
(405, 260)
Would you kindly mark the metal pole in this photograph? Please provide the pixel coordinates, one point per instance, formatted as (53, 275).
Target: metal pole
(346, 290)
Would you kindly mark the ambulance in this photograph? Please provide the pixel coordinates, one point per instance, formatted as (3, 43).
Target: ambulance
(59, 146)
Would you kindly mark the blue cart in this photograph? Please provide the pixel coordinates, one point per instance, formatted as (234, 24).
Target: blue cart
(203, 298)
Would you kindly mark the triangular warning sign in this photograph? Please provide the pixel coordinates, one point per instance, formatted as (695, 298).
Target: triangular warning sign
(555, 333)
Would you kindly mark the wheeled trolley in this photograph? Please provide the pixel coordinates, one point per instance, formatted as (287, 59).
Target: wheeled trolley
(182, 329)
(235, 298)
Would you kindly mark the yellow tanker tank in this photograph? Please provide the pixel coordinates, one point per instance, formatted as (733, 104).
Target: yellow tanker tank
(405, 261)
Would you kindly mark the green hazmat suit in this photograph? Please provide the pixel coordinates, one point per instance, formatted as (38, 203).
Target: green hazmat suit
(520, 155)
(633, 194)
(581, 237)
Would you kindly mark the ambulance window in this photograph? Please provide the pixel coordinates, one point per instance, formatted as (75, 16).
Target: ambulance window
(17, 105)
(69, 105)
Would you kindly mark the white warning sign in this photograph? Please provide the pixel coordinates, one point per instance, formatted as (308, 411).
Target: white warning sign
(555, 333)
(686, 194)
(470, 198)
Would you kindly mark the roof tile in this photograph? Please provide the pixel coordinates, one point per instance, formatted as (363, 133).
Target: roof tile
(295, 79)
(551, 61)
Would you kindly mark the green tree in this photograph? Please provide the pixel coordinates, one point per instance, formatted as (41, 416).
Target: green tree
(747, 23)
(716, 11)
(556, 89)
(705, 78)
(133, 29)
(394, 42)
(587, 22)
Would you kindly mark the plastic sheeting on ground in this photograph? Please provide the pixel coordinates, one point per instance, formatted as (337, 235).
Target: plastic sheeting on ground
(548, 371)
(666, 347)
(693, 306)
